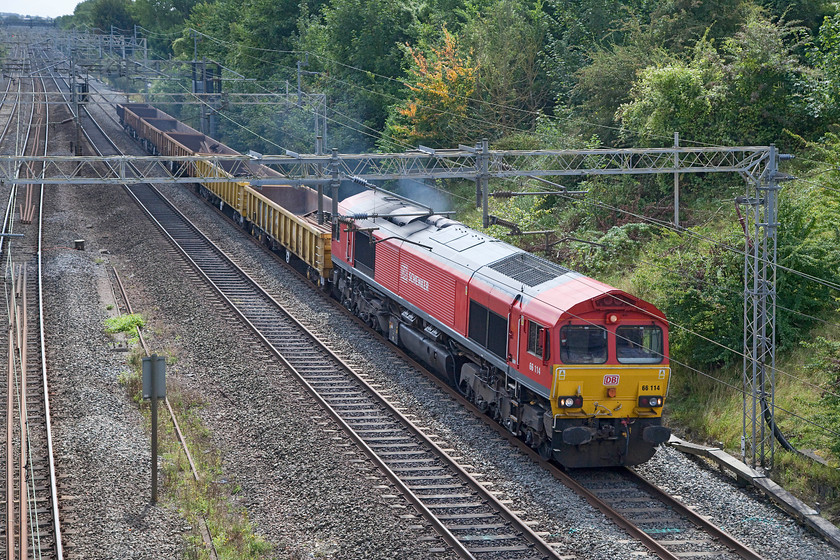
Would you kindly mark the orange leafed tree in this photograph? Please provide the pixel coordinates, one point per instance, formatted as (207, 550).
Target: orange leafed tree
(441, 83)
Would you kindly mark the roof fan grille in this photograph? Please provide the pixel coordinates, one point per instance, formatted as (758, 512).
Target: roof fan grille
(528, 269)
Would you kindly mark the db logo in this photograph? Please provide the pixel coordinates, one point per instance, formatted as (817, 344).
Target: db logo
(611, 380)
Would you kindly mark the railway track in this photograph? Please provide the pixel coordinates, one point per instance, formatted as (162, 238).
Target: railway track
(661, 522)
(469, 518)
(30, 495)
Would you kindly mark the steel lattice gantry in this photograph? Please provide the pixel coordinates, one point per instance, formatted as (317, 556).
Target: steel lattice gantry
(758, 165)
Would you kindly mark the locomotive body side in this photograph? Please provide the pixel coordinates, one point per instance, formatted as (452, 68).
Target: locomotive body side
(491, 319)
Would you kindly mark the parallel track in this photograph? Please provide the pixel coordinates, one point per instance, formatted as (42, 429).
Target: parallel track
(450, 496)
(32, 527)
(468, 517)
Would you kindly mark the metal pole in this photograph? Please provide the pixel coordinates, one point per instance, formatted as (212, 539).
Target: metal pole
(676, 180)
(483, 160)
(334, 184)
(324, 117)
(758, 438)
(319, 149)
(298, 83)
(154, 403)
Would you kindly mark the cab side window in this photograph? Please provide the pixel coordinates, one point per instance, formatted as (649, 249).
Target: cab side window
(536, 340)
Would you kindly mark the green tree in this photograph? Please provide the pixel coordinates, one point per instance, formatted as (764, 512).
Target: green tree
(824, 359)
(506, 40)
(679, 24)
(825, 88)
(581, 30)
(106, 14)
(357, 49)
(748, 91)
(676, 97)
(164, 18)
(606, 84)
(767, 81)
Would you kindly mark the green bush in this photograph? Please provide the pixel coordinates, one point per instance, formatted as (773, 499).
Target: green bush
(126, 323)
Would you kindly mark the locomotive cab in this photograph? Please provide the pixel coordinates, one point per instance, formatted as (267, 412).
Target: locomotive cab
(609, 383)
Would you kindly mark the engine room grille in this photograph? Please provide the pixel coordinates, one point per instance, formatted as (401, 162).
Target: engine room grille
(528, 269)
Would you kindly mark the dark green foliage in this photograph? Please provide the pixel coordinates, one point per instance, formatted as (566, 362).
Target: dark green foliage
(103, 14)
(809, 13)
(164, 19)
(825, 363)
(605, 84)
(700, 288)
(746, 91)
(809, 245)
(679, 24)
(356, 45)
(619, 249)
(578, 31)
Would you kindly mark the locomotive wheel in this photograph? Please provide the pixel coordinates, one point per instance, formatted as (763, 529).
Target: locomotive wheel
(545, 450)
(460, 384)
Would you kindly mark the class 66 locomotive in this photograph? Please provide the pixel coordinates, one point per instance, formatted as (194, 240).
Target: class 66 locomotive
(577, 369)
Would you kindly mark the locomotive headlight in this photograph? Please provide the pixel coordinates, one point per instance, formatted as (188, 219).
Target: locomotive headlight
(650, 402)
(570, 402)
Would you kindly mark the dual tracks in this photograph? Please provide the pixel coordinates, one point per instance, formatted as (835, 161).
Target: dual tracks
(31, 526)
(468, 517)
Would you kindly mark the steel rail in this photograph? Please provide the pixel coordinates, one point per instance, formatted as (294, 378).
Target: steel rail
(10, 481)
(59, 544)
(15, 488)
(11, 111)
(22, 332)
(536, 541)
(719, 534)
(142, 339)
(649, 542)
(539, 545)
(9, 214)
(437, 524)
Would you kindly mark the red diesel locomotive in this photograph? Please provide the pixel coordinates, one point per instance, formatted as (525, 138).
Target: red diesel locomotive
(576, 368)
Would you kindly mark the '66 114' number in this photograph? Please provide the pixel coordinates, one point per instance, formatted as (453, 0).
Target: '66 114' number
(611, 380)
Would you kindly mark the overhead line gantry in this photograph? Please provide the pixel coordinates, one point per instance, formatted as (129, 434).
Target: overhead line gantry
(758, 165)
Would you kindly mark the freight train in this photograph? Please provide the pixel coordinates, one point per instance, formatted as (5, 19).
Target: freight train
(577, 369)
